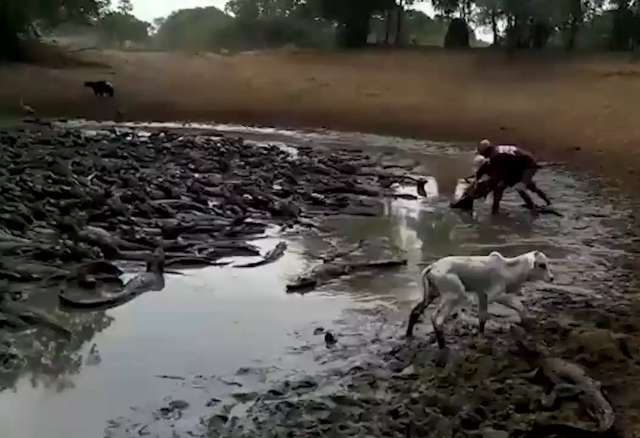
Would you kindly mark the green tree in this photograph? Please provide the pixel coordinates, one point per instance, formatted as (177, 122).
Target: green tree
(418, 29)
(352, 17)
(446, 7)
(245, 10)
(529, 23)
(125, 7)
(458, 33)
(157, 23)
(191, 28)
(116, 27)
(489, 13)
(423, 29)
(18, 16)
(625, 32)
(253, 9)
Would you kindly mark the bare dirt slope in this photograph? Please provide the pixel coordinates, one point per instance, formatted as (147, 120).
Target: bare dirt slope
(583, 108)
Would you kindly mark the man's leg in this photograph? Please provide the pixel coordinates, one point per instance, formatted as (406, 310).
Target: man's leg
(535, 189)
(527, 182)
(498, 191)
(526, 198)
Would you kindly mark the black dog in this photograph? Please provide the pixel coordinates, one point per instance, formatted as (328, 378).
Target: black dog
(101, 88)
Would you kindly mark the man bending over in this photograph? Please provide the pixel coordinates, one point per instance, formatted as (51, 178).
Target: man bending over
(509, 166)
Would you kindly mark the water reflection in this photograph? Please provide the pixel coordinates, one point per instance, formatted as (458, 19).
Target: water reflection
(47, 360)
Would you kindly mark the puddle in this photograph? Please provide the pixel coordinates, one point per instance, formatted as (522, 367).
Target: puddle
(222, 331)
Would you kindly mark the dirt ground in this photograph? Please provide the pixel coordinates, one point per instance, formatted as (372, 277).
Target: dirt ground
(581, 109)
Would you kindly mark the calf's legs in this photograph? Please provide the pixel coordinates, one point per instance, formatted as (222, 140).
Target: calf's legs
(483, 310)
(440, 315)
(512, 302)
(454, 296)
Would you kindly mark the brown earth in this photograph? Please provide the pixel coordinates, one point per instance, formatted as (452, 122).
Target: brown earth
(582, 108)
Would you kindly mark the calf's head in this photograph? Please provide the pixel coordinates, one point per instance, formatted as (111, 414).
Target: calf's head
(539, 267)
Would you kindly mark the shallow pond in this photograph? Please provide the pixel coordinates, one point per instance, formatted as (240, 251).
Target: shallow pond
(213, 331)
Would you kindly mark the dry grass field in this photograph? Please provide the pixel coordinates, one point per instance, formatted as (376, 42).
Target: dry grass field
(584, 109)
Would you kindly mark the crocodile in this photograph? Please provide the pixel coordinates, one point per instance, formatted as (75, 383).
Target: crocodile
(150, 280)
(567, 379)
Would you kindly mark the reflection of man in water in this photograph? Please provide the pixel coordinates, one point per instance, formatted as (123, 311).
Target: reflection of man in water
(508, 166)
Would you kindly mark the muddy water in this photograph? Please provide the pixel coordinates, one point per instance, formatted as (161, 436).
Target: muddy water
(222, 333)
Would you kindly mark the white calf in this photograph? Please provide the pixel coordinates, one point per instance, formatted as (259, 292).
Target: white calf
(492, 278)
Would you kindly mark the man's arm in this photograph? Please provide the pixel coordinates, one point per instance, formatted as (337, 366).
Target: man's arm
(483, 170)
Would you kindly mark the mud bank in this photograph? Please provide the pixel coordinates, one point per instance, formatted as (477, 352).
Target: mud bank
(578, 109)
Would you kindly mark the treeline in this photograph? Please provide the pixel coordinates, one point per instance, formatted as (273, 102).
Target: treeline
(246, 24)
(239, 29)
(534, 24)
(250, 24)
(514, 24)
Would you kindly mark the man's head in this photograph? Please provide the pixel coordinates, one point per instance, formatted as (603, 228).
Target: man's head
(484, 147)
(539, 266)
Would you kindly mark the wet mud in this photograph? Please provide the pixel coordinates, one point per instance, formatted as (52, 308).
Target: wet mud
(223, 351)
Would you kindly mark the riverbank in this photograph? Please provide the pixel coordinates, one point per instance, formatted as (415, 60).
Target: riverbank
(579, 109)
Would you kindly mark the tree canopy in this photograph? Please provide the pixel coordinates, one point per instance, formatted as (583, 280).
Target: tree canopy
(534, 23)
(191, 28)
(117, 27)
(247, 24)
(514, 23)
(352, 16)
(18, 17)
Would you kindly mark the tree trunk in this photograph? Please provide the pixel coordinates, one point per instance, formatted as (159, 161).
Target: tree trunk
(457, 36)
(622, 32)
(387, 26)
(494, 28)
(574, 24)
(355, 30)
(573, 31)
(399, 17)
(513, 30)
(11, 23)
(465, 10)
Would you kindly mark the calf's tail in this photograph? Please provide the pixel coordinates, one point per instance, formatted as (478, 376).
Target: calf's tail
(419, 309)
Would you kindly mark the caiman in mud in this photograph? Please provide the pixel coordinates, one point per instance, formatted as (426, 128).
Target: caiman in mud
(566, 380)
(150, 280)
